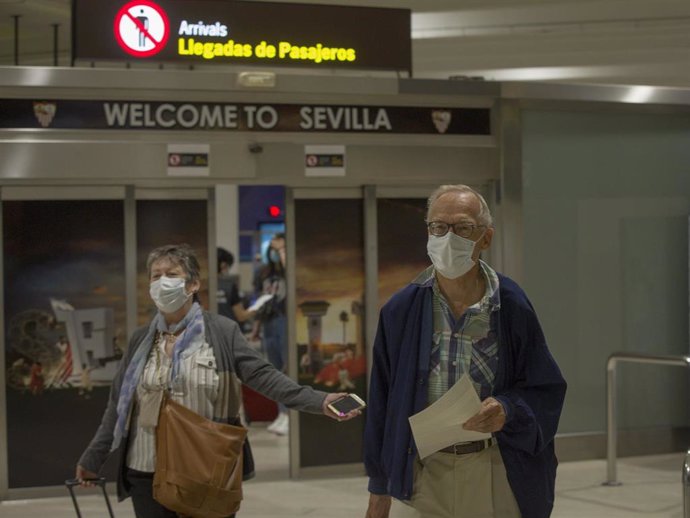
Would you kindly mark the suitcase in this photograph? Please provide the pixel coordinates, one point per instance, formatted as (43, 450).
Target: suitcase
(258, 407)
(71, 483)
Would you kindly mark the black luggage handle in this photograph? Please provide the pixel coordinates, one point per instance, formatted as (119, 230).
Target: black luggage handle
(73, 482)
(77, 482)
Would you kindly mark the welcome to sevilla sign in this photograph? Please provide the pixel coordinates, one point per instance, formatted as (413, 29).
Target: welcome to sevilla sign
(235, 32)
(308, 118)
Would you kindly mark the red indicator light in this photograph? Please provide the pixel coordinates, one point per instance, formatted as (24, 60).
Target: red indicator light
(274, 211)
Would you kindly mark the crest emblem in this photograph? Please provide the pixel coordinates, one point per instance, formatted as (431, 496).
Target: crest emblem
(44, 112)
(441, 119)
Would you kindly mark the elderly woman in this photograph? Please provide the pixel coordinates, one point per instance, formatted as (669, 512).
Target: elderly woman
(196, 354)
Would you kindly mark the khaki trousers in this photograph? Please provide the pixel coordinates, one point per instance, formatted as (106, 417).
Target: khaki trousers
(473, 485)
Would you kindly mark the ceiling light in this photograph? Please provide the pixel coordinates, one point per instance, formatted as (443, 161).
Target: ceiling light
(257, 79)
(639, 94)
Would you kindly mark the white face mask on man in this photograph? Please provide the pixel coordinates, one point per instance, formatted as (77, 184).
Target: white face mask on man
(169, 293)
(451, 254)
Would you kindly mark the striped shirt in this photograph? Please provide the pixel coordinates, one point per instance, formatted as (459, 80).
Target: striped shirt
(468, 344)
(197, 388)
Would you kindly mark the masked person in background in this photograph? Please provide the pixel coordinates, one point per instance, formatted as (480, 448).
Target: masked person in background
(271, 320)
(461, 317)
(193, 354)
(229, 300)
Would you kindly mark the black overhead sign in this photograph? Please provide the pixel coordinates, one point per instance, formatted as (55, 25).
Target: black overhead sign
(236, 32)
(310, 118)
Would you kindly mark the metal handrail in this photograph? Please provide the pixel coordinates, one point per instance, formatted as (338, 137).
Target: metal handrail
(611, 421)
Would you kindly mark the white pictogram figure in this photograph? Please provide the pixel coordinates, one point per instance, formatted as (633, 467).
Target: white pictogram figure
(145, 24)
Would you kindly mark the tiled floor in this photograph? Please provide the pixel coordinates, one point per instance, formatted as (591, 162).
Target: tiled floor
(651, 489)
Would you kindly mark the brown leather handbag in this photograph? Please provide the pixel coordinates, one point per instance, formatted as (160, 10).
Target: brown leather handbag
(198, 463)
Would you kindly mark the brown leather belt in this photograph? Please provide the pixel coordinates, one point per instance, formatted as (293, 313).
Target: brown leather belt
(463, 448)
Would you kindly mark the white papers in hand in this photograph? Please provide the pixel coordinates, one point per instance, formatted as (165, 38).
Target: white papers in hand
(440, 424)
(260, 302)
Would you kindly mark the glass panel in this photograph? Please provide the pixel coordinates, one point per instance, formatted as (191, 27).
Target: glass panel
(401, 243)
(261, 214)
(65, 327)
(164, 222)
(329, 325)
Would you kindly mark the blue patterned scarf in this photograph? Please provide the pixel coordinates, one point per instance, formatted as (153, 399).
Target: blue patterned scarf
(192, 323)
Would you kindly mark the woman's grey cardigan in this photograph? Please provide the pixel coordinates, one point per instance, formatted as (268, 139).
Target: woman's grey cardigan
(233, 356)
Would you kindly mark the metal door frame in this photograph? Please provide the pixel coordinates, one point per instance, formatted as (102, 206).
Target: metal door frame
(129, 194)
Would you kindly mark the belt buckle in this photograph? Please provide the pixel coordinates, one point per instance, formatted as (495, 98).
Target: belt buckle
(476, 446)
(459, 448)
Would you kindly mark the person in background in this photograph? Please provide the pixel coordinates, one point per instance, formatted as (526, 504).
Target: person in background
(229, 301)
(460, 317)
(194, 353)
(271, 320)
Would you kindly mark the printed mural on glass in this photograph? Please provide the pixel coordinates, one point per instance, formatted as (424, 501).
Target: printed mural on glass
(64, 304)
(402, 237)
(330, 321)
(166, 222)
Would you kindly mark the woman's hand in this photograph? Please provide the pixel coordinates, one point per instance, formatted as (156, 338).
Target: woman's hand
(83, 475)
(327, 411)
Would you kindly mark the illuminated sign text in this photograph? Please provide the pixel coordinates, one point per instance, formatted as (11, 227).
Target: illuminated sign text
(240, 32)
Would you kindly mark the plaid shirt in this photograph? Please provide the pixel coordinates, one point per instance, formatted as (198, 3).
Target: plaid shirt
(468, 344)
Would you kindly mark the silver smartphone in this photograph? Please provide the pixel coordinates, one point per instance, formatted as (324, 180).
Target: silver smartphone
(347, 404)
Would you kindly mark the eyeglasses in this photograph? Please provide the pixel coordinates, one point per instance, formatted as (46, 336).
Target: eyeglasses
(441, 228)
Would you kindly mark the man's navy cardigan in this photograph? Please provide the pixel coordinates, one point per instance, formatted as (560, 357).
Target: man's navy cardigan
(528, 383)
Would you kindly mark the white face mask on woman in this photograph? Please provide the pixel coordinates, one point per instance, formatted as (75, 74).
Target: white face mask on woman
(169, 293)
(451, 254)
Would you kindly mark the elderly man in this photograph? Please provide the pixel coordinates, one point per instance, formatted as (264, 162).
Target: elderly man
(461, 317)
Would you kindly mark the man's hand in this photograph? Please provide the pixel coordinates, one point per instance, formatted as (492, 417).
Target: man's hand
(490, 418)
(327, 411)
(379, 506)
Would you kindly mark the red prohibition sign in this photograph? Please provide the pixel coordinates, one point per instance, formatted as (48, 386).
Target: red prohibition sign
(150, 37)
